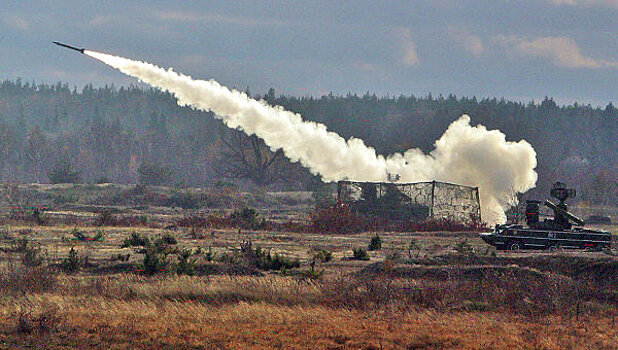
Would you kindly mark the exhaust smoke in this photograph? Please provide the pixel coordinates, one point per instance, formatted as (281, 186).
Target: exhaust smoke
(465, 154)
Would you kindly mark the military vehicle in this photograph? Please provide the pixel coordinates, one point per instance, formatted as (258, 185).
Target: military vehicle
(565, 230)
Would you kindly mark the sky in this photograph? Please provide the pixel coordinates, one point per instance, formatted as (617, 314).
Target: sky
(522, 50)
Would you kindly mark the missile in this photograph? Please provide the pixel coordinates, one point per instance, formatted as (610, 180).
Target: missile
(69, 46)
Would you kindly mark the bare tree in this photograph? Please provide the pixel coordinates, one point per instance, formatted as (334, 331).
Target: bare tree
(247, 157)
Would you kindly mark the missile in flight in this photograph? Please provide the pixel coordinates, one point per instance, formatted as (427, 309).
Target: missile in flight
(69, 46)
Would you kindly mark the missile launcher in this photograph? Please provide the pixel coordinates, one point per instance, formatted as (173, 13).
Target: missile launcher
(565, 230)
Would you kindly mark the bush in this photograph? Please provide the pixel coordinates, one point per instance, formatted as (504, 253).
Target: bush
(64, 198)
(166, 239)
(211, 221)
(208, 255)
(31, 256)
(153, 174)
(183, 200)
(103, 180)
(82, 237)
(120, 257)
(464, 248)
(154, 261)
(63, 172)
(323, 256)
(72, 262)
(20, 245)
(246, 219)
(135, 240)
(106, 218)
(443, 224)
(312, 273)
(375, 243)
(5, 233)
(337, 219)
(27, 280)
(42, 322)
(359, 254)
(269, 261)
(261, 259)
(414, 247)
(155, 253)
(186, 266)
(321, 193)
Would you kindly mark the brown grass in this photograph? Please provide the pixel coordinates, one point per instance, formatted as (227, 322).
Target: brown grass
(111, 323)
(374, 309)
(436, 299)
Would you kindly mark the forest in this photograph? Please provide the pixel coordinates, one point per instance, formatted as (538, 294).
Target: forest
(127, 135)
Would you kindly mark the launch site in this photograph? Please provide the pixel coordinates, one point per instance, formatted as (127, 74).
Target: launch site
(309, 175)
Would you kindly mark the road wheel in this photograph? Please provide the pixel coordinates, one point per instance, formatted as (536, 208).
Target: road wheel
(514, 247)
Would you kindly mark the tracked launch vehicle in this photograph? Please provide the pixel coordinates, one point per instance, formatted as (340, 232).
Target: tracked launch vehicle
(565, 230)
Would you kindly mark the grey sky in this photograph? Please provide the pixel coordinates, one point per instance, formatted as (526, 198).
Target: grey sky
(522, 50)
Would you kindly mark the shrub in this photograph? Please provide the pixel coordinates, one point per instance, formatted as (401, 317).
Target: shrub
(28, 280)
(269, 261)
(261, 259)
(246, 219)
(120, 257)
(211, 221)
(5, 233)
(186, 266)
(135, 240)
(464, 248)
(197, 233)
(82, 237)
(167, 239)
(338, 219)
(103, 180)
(106, 218)
(134, 220)
(63, 172)
(72, 262)
(359, 254)
(153, 174)
(154, 261)
(323, 256)
(321, 193)
(312, 273)
(20, 245)
(208, 255)
(32, 256)
(155, 253)
(440, 225)
(183, 200)
(42, 322)
(414, 247)
(375, 243)
(99, 236)
(64, 198)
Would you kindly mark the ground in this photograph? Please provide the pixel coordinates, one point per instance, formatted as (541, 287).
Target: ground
(421, 290)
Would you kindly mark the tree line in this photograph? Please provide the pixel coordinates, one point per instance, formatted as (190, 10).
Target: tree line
(132, 134)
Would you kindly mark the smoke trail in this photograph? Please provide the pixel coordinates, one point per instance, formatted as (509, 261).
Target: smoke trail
(464, 154)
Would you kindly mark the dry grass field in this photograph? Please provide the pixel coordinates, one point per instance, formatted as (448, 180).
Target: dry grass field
(423, 290)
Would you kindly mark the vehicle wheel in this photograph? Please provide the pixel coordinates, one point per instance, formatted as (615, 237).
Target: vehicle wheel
(514, 247)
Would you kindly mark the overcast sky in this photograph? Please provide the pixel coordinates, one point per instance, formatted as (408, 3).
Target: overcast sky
(519, 49)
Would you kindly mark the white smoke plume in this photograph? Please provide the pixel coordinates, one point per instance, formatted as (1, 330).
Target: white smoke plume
(465, 154)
